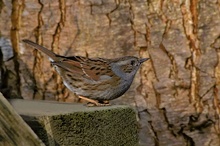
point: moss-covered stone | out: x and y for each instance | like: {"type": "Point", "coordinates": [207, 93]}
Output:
{"type": "Point", "coordinates": [78, 125]}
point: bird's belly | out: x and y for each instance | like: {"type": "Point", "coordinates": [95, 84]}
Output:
{"type": "Point", "coordinates": [99, 92]}
{"type": "Point", "coordinates": [119, 91]}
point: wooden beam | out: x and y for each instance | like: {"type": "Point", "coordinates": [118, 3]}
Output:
{"type": "Point", "coordinates": [75, 124]}
{"type": "Point", "coordinates": [13, 130]}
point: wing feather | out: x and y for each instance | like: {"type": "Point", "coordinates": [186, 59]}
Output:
{"type": "Point", "coordinates": [90, 69]}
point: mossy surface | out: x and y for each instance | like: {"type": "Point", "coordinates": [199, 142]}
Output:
{"type": "Point", "coordinates": [96, 126]}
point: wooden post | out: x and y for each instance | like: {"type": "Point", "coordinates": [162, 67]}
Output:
{"type": "Point", "coordinates": [13, 130]}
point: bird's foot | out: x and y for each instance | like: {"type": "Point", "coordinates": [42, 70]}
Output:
{"type": "Point", "coordinates": [99, 103]}
{"type": "Point", "coordinates": [92, 102]}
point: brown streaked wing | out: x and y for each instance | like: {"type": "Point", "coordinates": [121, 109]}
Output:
{"type": "Point", "coordinates": [73, 67]}
{"type": "Point", "coordinates": [88, 68]}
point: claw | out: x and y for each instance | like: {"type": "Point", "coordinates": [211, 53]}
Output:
{"type": "Point", "coordinates": [92, 102]}
{"type": "Point", "coordinates": [89, 104]}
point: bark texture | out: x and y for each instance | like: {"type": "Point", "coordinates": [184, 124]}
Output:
{"type": "Point", "coordinates": [175, 93]}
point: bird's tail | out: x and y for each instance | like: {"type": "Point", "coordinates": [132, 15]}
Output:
{"type": "Point", "coordinates": [42, 49]}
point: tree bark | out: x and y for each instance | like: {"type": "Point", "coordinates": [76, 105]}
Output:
{"type": "Point", "coordinates": [175, 93]}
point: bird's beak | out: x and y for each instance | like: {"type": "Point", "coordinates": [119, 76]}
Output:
{"type": "Point", "coordinates": [143, 60]}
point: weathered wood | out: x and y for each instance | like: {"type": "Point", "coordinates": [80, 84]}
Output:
{"type": "Point", "coordinates": [13, 130]}
{"type": "Point", "coordinates": [74, 124]}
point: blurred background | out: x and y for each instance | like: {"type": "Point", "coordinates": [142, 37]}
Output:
{"type": "Point", "coordinates": [175, 94]}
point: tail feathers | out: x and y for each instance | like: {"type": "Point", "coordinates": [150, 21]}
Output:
{"type": "Point", "coordinates": [42, 49]}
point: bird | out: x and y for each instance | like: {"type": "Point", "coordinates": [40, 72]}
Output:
{"type": "Point", "coordinates": [96, 80]}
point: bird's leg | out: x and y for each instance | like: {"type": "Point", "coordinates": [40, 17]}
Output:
{"type": "Point", "coordinates": [94, 102]}
{"type": "Point", "coordinates": [89, 100]}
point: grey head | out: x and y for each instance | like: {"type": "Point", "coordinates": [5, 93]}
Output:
{"type": "Point", "coordinates": [127, 67]}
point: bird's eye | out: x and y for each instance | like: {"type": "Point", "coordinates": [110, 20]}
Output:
{"type": "Point", "coordinates": [132, 62]}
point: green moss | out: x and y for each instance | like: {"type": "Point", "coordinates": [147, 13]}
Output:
{"type": "Point", "coordinates": [77, 125]}
{"type": "Point", "coordinates": [108, 127]}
